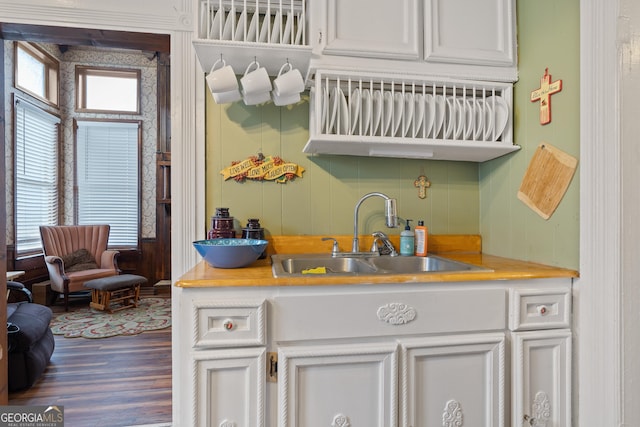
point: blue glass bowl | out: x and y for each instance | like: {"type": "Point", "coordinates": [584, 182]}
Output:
{"type": "Point", "coordinates": [230, 253]}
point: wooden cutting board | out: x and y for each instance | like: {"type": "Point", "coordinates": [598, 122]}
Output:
{"type": "Point", "coordinates": [547, 179]}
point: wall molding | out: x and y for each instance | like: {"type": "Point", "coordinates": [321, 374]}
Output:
{"type": "Point", "coordinates": [598, 312]}
{"type": "Point", "coordinates": [173, 17]}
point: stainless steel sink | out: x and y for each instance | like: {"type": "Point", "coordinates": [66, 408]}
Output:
{"type": "Point", "coordinates": [321, 264]}
{"type": "Point", "coordinates": [411, 264]}
{"type": "Point", "coordinates": [297, 264]}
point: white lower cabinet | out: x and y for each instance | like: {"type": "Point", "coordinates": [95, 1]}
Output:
{"type": "Point", "coordinates": [230, 387]}
{"type": "Point", "coordinates": [453, 381]}
{"type": "Point", "coordinates": [487, 354]}
{"type": "Point", "coordinates": [541, 390]}
{"type": "Point", "coordinates": [338, 385]}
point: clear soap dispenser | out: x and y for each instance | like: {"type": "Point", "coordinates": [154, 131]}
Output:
{"type": "Point", "coordinates": [407, 240]}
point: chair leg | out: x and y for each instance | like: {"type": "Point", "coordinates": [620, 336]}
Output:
{"type": "Point", "coordinates": [66, 297]}
{"type": "Point", "coordinates": [52, 297]}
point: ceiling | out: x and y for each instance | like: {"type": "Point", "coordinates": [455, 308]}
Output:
{"type": "Point", "coordinates": [65, 36]}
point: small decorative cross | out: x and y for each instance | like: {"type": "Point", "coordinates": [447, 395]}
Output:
{"type": "Point", "coordinates": [543, 94]}
{"type": "Point", "coordinates": [422, 183]}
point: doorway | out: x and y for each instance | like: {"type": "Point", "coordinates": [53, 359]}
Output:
{"type": "Point", "coordinates": [152, 257]}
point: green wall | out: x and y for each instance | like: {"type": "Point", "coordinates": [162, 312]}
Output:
{"type": "Point", "coordinates": [548, 37]}
{"type": "Point", "coordinates": [464, 197]}
{"type": "Point", "coordinates": [323, 200]}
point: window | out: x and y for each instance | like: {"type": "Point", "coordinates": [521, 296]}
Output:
{"type": "Point", "coordinates": [36, 174]}
{"type": "Point", "coordinates": [107, 89]}
{"type": "Point", "coordinates": [36, 72]}
{"type": "Point", "coordinates": [108, 178]}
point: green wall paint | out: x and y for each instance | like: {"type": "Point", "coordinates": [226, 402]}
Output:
{"type": "Point", "coordinates": [464, 197]}
{"type": "Point", "coordinates": [548, 36]}
{"type": "Point", "coordinates": [323, 200]}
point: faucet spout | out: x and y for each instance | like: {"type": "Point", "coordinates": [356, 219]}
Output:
{"type": "Point", "coordinates": [387, 246]}
{"type": "Point", "coordinates": [391, 216]}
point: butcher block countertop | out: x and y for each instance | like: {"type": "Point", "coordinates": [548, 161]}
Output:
{"type": "Point", "coordinates": [465, 248]}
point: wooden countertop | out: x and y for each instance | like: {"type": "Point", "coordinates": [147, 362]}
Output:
{"type": "Point", "coordinates": [465, 248]}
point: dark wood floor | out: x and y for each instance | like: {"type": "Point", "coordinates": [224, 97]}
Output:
{"type": "Point", "coordinates": [109, 382]}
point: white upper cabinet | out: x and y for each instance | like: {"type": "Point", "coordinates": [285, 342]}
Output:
{"type": "Point", "coordinates": [457, 39]}
{"type": "Point", "coordinates": [373, 28]}
{"type": "Point", "coordinates": [483, 35]}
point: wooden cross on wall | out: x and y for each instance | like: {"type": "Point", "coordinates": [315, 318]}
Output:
{"type": "Point", "coordinates": [543, 94]}
{"type": "Point", "coordinates": [422, 183]}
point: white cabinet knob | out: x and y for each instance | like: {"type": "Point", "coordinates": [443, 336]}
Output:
{"type": "Point", "coordinates": [542, 310]}
{"type": "Point", "coordinates": [228, 325]}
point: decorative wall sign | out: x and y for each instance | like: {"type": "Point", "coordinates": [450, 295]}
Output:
{"type": "Point", "coordinates": [260, 168]}
{"type": "Point", "coordinates": [543, 94]}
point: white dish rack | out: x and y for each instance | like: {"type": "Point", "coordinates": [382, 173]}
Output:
{"type": "Point", "coordinates": [271, 32]}
{"type": "Point", "coordinates": [409, 117]}
{"type": "Point", "coordinates": [280, 22]}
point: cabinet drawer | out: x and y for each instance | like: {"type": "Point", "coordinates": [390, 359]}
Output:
{"type": "Point", "coordinates": [433, 311]}
{"type": "Point", "coordinates": [539, 309]}
{"type": "Point", "coordinates": [229, 323]}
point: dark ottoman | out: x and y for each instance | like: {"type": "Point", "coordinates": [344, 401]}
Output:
{"type": "Point", "coordinates": [115, 293]}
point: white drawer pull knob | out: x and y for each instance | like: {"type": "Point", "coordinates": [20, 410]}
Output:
{"type": "Point", "coordinates": [228, 325]}
{"type": "Point", "coordinates": [542, 310]}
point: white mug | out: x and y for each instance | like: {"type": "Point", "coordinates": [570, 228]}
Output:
{"type": "Point", "coordinates": [255, 82]}
{"type": "Point", "coordinates": [226, 97]}
{"type": "Point", "coordinates": [256, 98]}
{"type": "Point", "coordinates": [288, 83]}
{"type": "Point", "coordinates": [280, 100]}
{"type": "Point", "coordinates": [222, 79]}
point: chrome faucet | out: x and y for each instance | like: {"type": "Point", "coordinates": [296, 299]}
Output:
{"type": "Point", "coordinates": [387, 247]}
{"type": "Point", "coordinates": [391, 216]}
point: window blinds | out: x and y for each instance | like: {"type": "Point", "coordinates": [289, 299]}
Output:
{"type": "Point", "coordinates": [36, 174]}
{"type": "Point", "coordinates": [108, 178]}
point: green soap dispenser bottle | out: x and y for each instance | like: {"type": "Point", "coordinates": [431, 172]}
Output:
{"type": "Point", "coordinates": [407, 240]}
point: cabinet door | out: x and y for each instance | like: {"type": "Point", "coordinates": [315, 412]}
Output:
{"type": "Point", "coordinates": [338, 385]}
{"type": "Point", "coordinates": [541, 394]}
{"type": "Point", "coordinates": [229, 387]}
{"type": "Point", "coordinates": [453, 381]}
{"type": "Point", "coordinates": [373, 28]}
{"type": "Point", "coordinates": [483, 35]}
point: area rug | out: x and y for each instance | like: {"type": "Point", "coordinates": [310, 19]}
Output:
{"type": "Point", "coordinates": [151, 314]}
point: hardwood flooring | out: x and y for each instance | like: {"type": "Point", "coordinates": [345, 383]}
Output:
{"type": "Point", "coordinates": [109, 382]}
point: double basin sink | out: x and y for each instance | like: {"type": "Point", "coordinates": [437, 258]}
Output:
{"type": "Point", "coordinates": [325, 264]}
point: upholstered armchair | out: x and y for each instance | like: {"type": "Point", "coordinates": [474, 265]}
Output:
{"type": "Point", "coordinates": [75, 254]}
